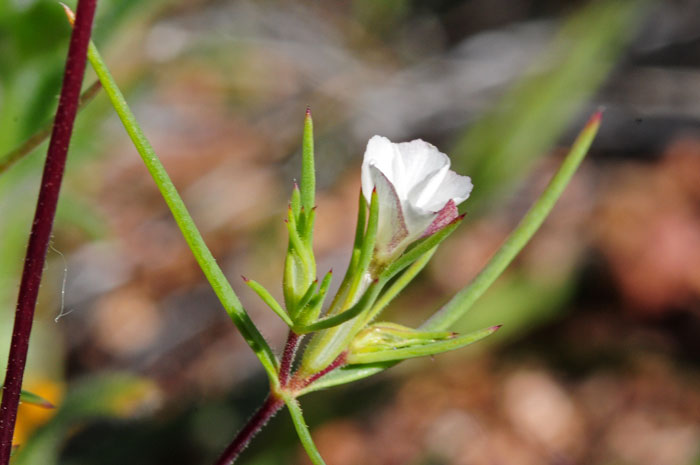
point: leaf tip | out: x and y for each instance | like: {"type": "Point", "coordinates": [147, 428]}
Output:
{"type": "Point", "coordinates": [493, 329]}
{"type": "Point", "coordinates": [308, 111]}
{"type": "Point", "coordinates": [69, 13]}
{"type": "Point", "coordinates": [245, 279]}
{"type": "Point", "coordinates": [595, 119]}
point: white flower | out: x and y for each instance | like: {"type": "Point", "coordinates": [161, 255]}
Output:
{"type": "Point", "coordinates": [418, 193]}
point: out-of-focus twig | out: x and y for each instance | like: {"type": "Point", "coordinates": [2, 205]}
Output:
{"type": "Point", "coordinates": [43, 222]}
{"type": "Point", "coordinates": [28, 146]}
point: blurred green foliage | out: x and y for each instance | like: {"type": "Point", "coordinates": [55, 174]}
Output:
{"type": "Point", "coordinates": [500, 148]}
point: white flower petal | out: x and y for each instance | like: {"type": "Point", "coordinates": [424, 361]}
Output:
{"type": "Point", "coordinates": [454, 187]}
{"type": "Point", "coordinates": [380, 152]}
{"type": "Point", "coordinates": [418, 193]}
{"type": "Point", "coordinates": [421, 160]}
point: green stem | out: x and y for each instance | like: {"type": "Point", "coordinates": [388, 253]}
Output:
{"type": "Point", "coordinates": [303, 432]}
{"type": "Point", "coordinates": [194, 239]}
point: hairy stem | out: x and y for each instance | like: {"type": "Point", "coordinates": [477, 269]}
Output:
{"type": "Point", "coordinates": [254, 425]}
{"type": "Point", "coordinates": [43, 222]}
{"type": "Point", "coordinates": [337, 363]}
{"type": "Point", "coordinates": [290, 350]}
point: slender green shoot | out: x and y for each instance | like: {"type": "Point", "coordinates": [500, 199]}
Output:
{"type": "Point", "coordinates": [308, 170]}
{"type": "Point", "coordinates": [303, 432]}
{"type": "Point", "coordinates": [270, 301]}
{"type": "Point", "coordinates": [464, 299]}
{"type": "Point", "coordinates": [184, 220]}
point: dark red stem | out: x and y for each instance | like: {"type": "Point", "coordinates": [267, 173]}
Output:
{"type": "Point", "coordinates": [43, 222]}
{"type": "Point", "coordinates": [255, 424]}
{"type": "Point", "coordinates": [290, 350]}
{"type": "Point", "coordinates": [337, 363]}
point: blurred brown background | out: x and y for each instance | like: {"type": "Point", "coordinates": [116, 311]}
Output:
{"type": "Point", "coordinates": [597, 362]}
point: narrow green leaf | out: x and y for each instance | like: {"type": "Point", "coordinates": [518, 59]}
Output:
{"type": "Point", "coordinates": [266, 297]}
{"type": "Point", "coordinates": [345, 375]}
{"type": "Point", "coordinates": [34, 399]}
{"type": "Point", "coordinates": [303, 432]}
{"type": "Point", "coordinates": [308, 170]}
{"type": "Point", "coordinates": [420, 350]}
{"type": "Point", "coordinates": [530, 223]}
{"type": "Point", "coordinates": [184, 220]}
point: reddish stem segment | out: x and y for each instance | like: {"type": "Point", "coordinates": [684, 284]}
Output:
{"type": "Point", "coordinates": [290, 350]}
{"type": "Point", "coordinates": [43, 222]}
{"type": "Point", "coordinates": [337, 363]}
{"type": "Point", "coordinates": [255, 424]}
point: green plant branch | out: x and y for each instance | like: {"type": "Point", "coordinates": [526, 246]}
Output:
{"type": "Point", "coordinates": [189, 230]}
{"type": "Point", "coordinates": [464, 299]}
{"type": "Point", "coordinates": [303, 432]}
{"type": "Point", "coordinates": [28, 146]}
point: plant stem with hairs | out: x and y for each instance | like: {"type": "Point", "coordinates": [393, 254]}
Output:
{"type": "Point", "coordinates": [43, 222]}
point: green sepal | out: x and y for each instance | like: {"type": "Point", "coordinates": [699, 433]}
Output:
{"type": "Point", "coordinates": [390, 336]}
{"type": "Point", "coordinates": [419, 349]}
{"type": "Point", "coordinates": [299, 267]}
{"type": "Point", "coordinates": [354, 257]}
{"type": "Point", "coordinates": [362, 305]}
{"type": "Point", "coordinates": [305, 299]}
{"type": "Point", "coordinates": [313, 308]}
{"type": "Point", "coordinates": [399, 284]}
{"type": "Point", "coordinates": [270, 301]}
{"type": "Point", "coordinates": [295, 202]}
{"type": "Point", "coordinates": [418, 249]}
{"type": "Point", "coordinates": [367, 247]}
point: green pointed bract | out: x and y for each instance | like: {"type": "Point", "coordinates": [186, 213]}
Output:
{"type": "Point", "coordinates": [361, 306]}
{"type": "Point", "coordinates": [266, 297]}
{"type": "Point", "coordinates": [313, 308]}
{"type": "Point", "coordinates": [305, 299]}
{"type": "Point", "coordinates": [295, 202]}
{"type": "Point", "coordinates": [389, 336]}
{"type": "Point", "coordinates": [411, 345]}
{"type": "Point", "coordinates": [299, 267]}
